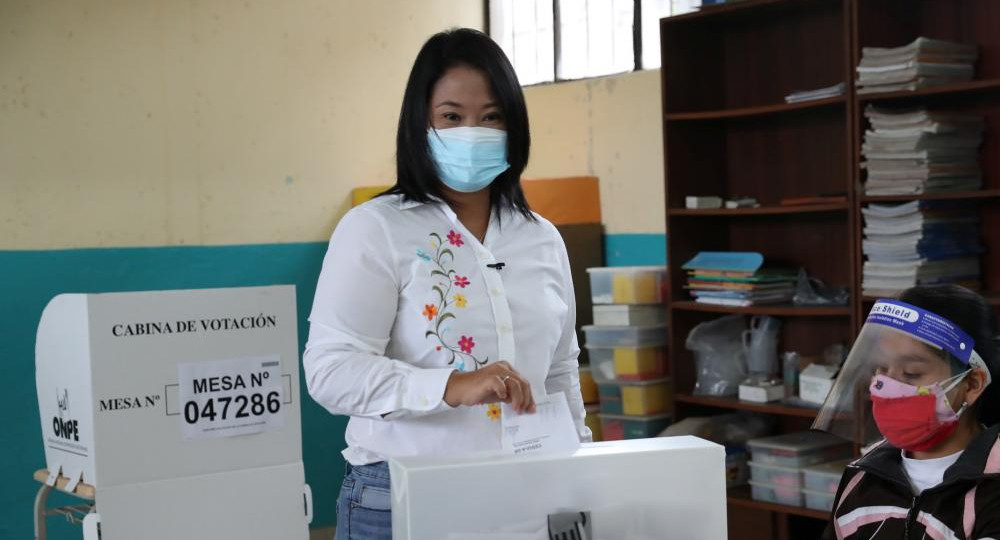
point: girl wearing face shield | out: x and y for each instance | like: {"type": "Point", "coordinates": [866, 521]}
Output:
{"type": "Point", "coordinates": [916, 391]}
{"type": "Point", "coordinates": [445, 296]}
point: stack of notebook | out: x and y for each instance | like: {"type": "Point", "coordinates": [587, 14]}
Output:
{"type": "Point", "coordinates": [917, 243]}
{"type": "Point", "coordinates": [732, 278]}
{"type": "Point", "coordinates": [915, 151]}
{"type": "Point", "coordinates": [924, 62]}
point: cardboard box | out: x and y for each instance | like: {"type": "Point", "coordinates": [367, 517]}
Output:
{"type": "Point", "coordinates": [632, 489]}
{"type": "Point", "coordinates": [815, 382]}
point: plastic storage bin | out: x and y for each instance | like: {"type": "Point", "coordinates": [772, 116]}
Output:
{"type": "Point", "coordinates": [593, 420]}
{"type": "Point", "coordinates": [789, 496]}
{"type": "Point", "coordinates": [628, 363]}
{"type": "Point", "coordinates": [798, 449]}
{"type": "Point", "coordinates": [588, 388]}
{"type": "Point", "coordinates": [737, 472]}
{"type": "Point", "coordinates": [625, 336]}
{"type": "Point", "coordinates": [628, 284]}
{"type": "Point", "coordinates": [635, 398]}
{"type": "Point", "coordinates": [616, 427]}
{"type": "Point", "coordinates": [825, 477]}
{"type": "Point", "coordinates": [630, 315]}
{"type": "Point", "coordinates": [775, 475]}
{"type": "Point", "coordinates": [818, 500]}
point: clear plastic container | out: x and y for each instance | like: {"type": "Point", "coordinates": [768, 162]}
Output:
{"type": "Point", "coordinates": [775, 475]}
{"type": "Point", "coordinates": [789, 496]}
{"type": "Point", "coordinates": [625, 336]}
{"type": "Point", "coordinates": [798, 449]}
{"type": "Point", "coordinates": [628, 363]}
{"type": "Point", "coordinates": [635, 398]}
{"type": "Point", "coordinates": [630, 315]}
{"type": "Point", "coordinates": [628, 284]}
{"type": "Point", "coordinates": [616, 427]}
{"type": "Point", "coordinates": [819, 500]}
{"type": "Point", "coordinates": [825, 477]}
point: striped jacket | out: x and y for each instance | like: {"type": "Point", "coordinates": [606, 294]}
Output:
{"type": "Point", "coordinates": [875, 500]}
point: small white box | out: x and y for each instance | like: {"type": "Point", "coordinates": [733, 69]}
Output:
{"type": "Point", "coordinates": [816, 381]}
{"type": "Point", "coordinates": [633, 489]}
{"type": "Point", "coordinates": [762, 393]}
{"type": "Point", "coordinates": [694, 203]}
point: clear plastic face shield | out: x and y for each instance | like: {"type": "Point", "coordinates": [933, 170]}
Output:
{"type": "Point", "coordinates": [902, 351]}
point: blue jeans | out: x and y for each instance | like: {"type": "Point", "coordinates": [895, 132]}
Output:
{"type": "Point", "coordinates": [363, 511]}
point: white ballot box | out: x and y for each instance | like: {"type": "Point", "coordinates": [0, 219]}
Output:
{"type": "Point", "coordinates": [179, 410]}
{"type": "Point", "coordinates": [670, 487]}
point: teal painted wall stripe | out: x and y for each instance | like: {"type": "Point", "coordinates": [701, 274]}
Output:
{"type": "Point", "coordinates": [635, 249]}
{"type": "Point", "coordinates": [31, 278]}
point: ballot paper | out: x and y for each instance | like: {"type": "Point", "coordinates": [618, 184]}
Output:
{"type": "Point", "coordinates": [549, 430]}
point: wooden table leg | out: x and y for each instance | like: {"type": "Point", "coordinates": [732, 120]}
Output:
{"type": "Point", "coordinates": [41, 499]}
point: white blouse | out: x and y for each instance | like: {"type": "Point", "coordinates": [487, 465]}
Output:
{"type": "Point", "coordinates": [406, 297]}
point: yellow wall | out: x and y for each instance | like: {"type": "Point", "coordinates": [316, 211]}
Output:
{"type": "Point", "coordinates": [610, 128]}
{"type": "Point", "coordinates": [151, 122]}
{"type": "Point", "coordinates": [160, 122]}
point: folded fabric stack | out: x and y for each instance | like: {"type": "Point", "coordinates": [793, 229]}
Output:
{"type": "Point", "coordinates": [915, 151]}
{"type": "Point", "coordinates": [924, 62]}
{"type": "Point", "coordinates": [918, 243]}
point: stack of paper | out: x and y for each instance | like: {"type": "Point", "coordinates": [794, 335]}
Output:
{"type": "Point", "coordinates": [917, 243]}
{"type": "Point", "coordinates": [915, 151]}
{"type": "Point", "coordinates": [820, 93]}
{"type": "Point", "coordinates": [924, 62]}
{"type": "Point", "coordinates": [733, 278]}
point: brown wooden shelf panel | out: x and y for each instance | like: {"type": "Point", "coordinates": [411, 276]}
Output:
{"type": "Point", "coordinates": [734, 403]}
{"type": "Point", "coordinates": [988, 85]}
{"type": "Point", "coordinates": [762, 211]}
{"type": "Point", "coordinates": [743, 112]}
{"type": "Point", "coordinates": [741, 7]}
{"type": "Point", "coordinates": [956, 195]}
{"type": "Point", "coordinates": [777, 310]}
{"type": "Point", "coordinates": [742, 496]}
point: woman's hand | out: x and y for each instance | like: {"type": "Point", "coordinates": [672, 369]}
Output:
{"type": "Point", "coordinates": [493, 383]}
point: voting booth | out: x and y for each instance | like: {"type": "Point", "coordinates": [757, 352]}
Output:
{"type": "Point", "coordinates": [176, 413]}
{"type": "Point", "coordinates": [644, 489]}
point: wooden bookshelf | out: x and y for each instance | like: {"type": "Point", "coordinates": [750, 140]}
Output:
{"type": "Point", "coordinates": [742, 496]}
{"type": "Point", "coordinates": [957, 195]}
{"type": "Point", "coordinates": [761, 110]}
{"type": "Point", "coordinates": [739, 405]}
{"type": "Point", "coordinates": [776, 310]}
{"type": "Point", "coordinates": [761, 211]}
{"type": "Point", "coordinates": [727, 132]}
{"type": "Point", "coordinates": [970, 87]}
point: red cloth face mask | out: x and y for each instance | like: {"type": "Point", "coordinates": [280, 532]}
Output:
{"type": "Point", "coordinates": [913, 418]}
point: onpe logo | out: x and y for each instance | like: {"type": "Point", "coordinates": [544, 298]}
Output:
{"type": "Point", "coordinates": [62, 425]}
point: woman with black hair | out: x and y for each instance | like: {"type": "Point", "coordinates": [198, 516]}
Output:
{"type": "Point", "coordinates": [445, 296]}
{"type": "Point", "coordinates": [927, 362]}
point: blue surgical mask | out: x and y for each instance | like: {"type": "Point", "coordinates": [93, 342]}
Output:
{"type": "Point", "coordinates": [468, 158]}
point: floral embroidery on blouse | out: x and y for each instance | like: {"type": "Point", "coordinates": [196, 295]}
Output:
{"type": "Point", "coordinates": [442, 260]}
{"type": "Point", "coordinates": [493, 411]}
